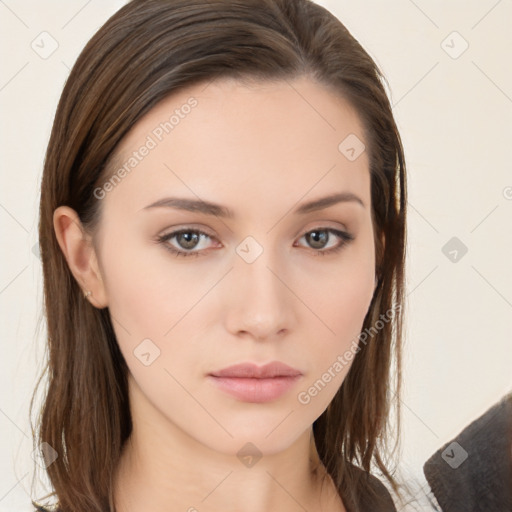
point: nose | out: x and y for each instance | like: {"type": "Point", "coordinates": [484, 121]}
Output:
{"type": "Point", "coordinates": [260, 303]}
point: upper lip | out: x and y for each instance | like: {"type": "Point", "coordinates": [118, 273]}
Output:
{"type": "Point", "coordinates": [251, 370]}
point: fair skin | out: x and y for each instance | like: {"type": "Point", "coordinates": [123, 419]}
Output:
{"type": "Point", "coordinates": [262, 151]}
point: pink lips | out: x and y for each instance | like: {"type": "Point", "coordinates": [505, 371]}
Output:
{"type": "Point", "coordinates": [251, 383]}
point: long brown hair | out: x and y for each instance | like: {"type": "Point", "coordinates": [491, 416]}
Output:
{"type": "Point", "coordinates": [144, 52]}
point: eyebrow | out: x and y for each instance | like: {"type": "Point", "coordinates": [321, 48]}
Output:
{"type": "Point", "coordinates": [208, 208]}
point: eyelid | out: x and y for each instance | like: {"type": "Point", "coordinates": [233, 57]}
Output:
{"type": "Point", "coordinates": [324, 224]}
{"type": "Point", "coordinates": [344, 239]}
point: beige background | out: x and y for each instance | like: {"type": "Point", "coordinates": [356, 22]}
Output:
{"type": "Point", "coordinates": [454, 110]}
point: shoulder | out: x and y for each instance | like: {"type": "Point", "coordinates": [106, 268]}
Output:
{"type": "Point", "coordinates": [483, 482]}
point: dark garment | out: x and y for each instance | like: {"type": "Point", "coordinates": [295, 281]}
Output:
{"type": "Point", "coordinates": [381, 502]}
{"type": "Point", "coordinates": [473, 473]}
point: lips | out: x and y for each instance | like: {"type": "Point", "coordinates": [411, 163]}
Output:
{"type": "Point", "coordinates": [248, 382]}
{"type": "Point", "coordinates": [252, 371]}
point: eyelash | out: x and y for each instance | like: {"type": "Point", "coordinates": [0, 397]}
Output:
{"type": "Point", "coordinates": [345, 237]}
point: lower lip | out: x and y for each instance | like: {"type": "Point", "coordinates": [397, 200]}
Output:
{"type": "Point", "coordinates": [255, 390]}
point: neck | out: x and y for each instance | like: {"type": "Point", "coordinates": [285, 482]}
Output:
{"type": "Point", "coordinates": [163, 469]}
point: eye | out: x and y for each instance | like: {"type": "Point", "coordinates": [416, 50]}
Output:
{"type": "Point", "coordinates": [318, 238]}
{"type": "Point", "coordinates": [187, 241]}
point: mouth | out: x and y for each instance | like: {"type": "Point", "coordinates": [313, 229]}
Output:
{"type": "Point", "coordinates": [255, 390]}
{"type": "Point", "coordinates": [250, 383]}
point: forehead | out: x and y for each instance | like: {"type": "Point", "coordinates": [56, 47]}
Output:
{"type": "Point", "coordinates": [236, 139]}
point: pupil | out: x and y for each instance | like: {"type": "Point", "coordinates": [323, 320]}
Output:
{"type": "Point", "coordinates": [317, 236]}
{"type": "Point", "coordinates": [189, 244]}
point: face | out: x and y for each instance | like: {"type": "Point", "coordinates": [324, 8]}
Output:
{"type": "Point", "coordinates": [259, 277]}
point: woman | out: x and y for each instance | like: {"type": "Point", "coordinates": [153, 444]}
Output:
{"type": "Point", "coordinates": [202, 356]}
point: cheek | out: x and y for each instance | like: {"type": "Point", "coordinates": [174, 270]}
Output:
{"type": "Point", "coordinates": [151, 303]}
{"type": "Point", "coordinates": [340, 293]}
{"type": "Point", "coordinates": [346, 302]}
{"type": "Point", "coordinates": [340, 296]}
{"type": "Point", "coordinates": [147, 290]}
{"type": "Point", "coordinates": [147, 295]}
{"type": "Point", "coordinates": [341, 307]}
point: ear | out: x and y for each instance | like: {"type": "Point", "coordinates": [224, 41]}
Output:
{"type": "Point", "coordinates": [80, 255]}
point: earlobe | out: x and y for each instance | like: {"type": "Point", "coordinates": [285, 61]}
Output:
{"type": "Point", "coordinates": [80, 255]}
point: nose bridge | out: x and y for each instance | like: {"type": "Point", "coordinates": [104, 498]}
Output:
{"type": "Point", "coordinates": [261, 304]}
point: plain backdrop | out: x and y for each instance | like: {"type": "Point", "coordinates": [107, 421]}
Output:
{"type": "Point", "coordinates": [448, 67]}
